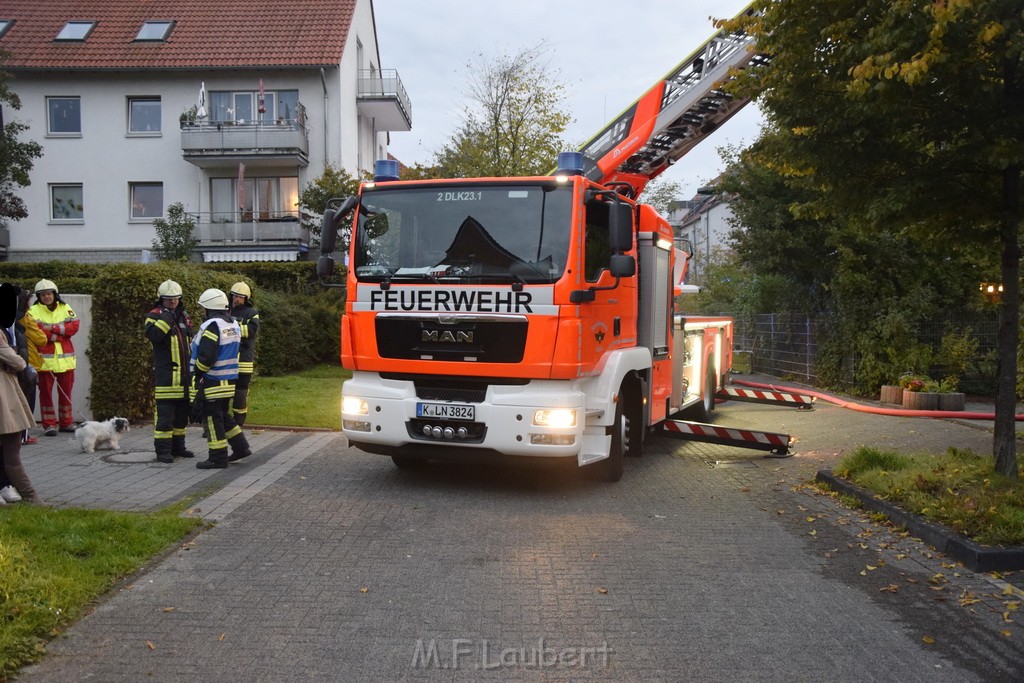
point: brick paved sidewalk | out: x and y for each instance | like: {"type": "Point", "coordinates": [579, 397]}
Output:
{"type": "Point", "coordinates": [131, 478]}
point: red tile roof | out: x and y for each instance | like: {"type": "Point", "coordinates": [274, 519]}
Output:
{"type": "Point", "coordinates": [207, 33]}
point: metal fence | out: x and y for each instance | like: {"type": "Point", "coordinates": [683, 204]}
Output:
{"type": "Point", "coordinates": [786, 345]}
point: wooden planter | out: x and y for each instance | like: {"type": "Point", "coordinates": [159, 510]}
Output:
{"type": "Point", "coordinates": [952, 400]}
{"type": "Point", "coordinates": [892, 393]}
{"type": "Point", "coordinates": [921, 400]}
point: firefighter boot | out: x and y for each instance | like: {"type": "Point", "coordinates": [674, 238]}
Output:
{"type": "Point", "coordinates": [163, 450]}
{"type": "Point", "coordinates": [218, 460]}
{"type": "Point", "coordinates": [178, 449]}
{"type": "Point", "coordinates": [239, 447]}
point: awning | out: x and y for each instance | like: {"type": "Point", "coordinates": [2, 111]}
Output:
{"type": "Point", "coordinates": [236, 256]}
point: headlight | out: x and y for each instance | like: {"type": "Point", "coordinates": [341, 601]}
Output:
{"type": "Point", "coordinates": [559, 418]}
{"type": "Point", "coordinates": [354, 406]}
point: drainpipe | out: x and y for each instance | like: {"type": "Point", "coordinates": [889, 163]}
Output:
{"type": "Point", "coordinates": [323, 82]}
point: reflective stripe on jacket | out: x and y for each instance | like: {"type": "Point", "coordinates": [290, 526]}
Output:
{"type": "Point", "coordinates": [170, 332]}
{"type": "Point", "coordinates": [58, 353]}
{"type": "Point", "coordinates": [215, 356]}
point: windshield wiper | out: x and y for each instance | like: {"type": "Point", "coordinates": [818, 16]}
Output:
{"type": "Point", "coordinates": [408, 277]}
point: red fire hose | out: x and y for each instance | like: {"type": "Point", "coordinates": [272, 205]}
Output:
{"type": "Point", "coordinates": [876, 410]}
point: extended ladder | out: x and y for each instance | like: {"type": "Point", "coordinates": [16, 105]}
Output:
{"type": "Point", "coordinates": [673, 116]}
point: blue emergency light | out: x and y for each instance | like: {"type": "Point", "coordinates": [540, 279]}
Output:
{"type": "Point", "coordinates": [570, 163]}
{"type": "Point", "coordinates": [385, 170]}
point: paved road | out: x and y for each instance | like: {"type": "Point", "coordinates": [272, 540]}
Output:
{"type": "Point", "coordinates": [330, 564]}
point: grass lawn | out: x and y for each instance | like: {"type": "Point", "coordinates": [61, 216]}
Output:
{"type": "Point", "coordinates": [311, 398]}
{"type": "Point", "coordinates": [55, 563]}
{"type": "Point", "coordinates": [958, 489]}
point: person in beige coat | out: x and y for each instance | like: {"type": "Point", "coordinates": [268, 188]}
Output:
{"type": "Point", "coordinates": [15, 417]}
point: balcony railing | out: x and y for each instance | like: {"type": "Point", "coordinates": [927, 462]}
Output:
{"type": "Point", "coordinates": [212, 143]}
{"type": "Point", "coordinates": [381, 96]}
{"type": "Point", "coordinates": [245, 227]}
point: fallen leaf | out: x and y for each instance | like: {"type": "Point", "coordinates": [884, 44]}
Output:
{"type": "Point", "coordinates": [810, 519]}
{"type": "Point", "coordinates": [812, 532]}
{"type": "Point", "coordinates": [168, 609]}
{"type": "Point", "coordinates": [150, 645]}
{"type": "Point", "coordinates": [221, 636]}
{"type": "Point", "coordinates": [928, 639]}
{"type": "Point", "coordinates": [602, 590]}
{"type": "Point", "coordinates": [364, 589]}
{"type": "Point", "coordinates": [1006, 632]}
{"type": "Point", "coordinates": [595, 555]}
{"type": "Point", "coordinates": [891, 588]}
{"type": "Point", "coordinates": [871, 569]}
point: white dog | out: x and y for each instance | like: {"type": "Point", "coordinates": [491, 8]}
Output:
{"type": "Point", "coordinates": [101, 435]}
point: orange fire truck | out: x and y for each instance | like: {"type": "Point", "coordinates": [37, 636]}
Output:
{"type": "Point", "coordinates": [535, 316]}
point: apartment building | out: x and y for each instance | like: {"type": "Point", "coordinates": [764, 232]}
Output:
{"type": "Point", "coordinates": [228, 108]}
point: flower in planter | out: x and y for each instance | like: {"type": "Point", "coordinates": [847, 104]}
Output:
{"type": "Point", "coordinates": [911, 382]}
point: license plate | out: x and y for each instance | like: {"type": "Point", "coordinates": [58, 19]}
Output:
{"type": "Point", "coordinates": [446, 411]}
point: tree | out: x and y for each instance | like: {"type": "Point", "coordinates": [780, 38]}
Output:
{"type": "Point", "coordinates": [15, 156]}
{"type": "Point", "coordinates": [513, 123]}
{"type": "Point", "coordinates": [175, 236]}
{"type": "Point", "coordinates": [660, 194]}
{"type": "Point", "coordinates": [906, 114]}
{"type": "Point", "coordinates": [333, 183]}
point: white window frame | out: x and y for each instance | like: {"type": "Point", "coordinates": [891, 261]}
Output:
{"type": "Point", "coordinates": [66, 219]}
{"type": "Point", "coordinates": [49, 117]}
{"type": "Point", "coordinates": [133, 202]}
{"type": "Point", "coordinates": [159, 122]}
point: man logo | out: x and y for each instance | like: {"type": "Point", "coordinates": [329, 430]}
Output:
{"type": "Point", "coordinates": [447, 337]}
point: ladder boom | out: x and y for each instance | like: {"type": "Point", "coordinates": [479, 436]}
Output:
{"type": "Point", "coordinates": [675, 114]}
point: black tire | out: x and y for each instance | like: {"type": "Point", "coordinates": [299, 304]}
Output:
{"type": "Point", "coordinates": [610, 469]}
{"type": "Point", "coordinates": [710, 386]}
{"type": "Point", "coordinates": [634, 434]}
{"type": "Point", "coordinates": [702, 411]}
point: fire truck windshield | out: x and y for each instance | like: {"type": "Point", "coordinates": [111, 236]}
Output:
{"type": "Point", "coordinates": [464, 232]}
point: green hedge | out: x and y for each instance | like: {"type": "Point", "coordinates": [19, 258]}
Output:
{"type": "Point", "coordinates": [299, 319]}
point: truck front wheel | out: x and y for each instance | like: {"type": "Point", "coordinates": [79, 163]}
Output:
{"type": "Point", "coordinates": [610, 469]}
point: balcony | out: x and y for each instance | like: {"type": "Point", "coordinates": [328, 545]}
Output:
{"type": "Point", "coordinates": [247, 236]}
{"type": "Point", "coordinates": [381, 96]}
{"type": "Point", "coordinates": [211, 144]}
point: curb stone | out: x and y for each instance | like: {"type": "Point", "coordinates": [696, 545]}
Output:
{"type": "Point", "coordinates": [977, 557]}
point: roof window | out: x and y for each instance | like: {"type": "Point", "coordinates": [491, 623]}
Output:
{"type": "Point", "coordinates": [5, 24]}
{"type": "Point", "coordinates": [76, 30]}
{"type": "Point", "coordinates": [155, 30]}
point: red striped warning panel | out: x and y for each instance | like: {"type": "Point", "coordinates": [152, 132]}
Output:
{"type": "Point", "coordinates": [727, 436]}
{"type": "Point", "coordinates": [782, 398]}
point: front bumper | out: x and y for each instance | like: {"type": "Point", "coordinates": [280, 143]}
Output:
{"type": "Point", "coordinates": [503, 421]}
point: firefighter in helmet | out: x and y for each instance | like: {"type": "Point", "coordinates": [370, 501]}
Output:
{"type": "Point", "coordinates": [248, 319]}
{"type": "Point", "coordinates": [215, 370]}
{"type": "Point", "coordinates": [169, 329]}
{"type": "Point", "coordinates": [56, 319]}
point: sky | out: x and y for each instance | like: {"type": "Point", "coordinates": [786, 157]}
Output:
{"type": "Point", "coordinates": [607, 54]}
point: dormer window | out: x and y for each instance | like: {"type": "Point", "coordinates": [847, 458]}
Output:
{"type": "Point", "coordinates": [155, 31]}
{"type": "Point", "coordinates": [5, 24]}
{"type": "Point", "coordinates": [76, 30]}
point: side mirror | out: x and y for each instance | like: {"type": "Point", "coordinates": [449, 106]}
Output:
{"type": "Point", "coordinates": [332, 220]}
{"type": "Point", "coordinates": [620, 227]}
{"type": "Point", "coordinates": [621, 265]}
{"type": "Point", "coordinates": [324, 267]}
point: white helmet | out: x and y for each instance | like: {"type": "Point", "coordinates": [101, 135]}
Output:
{"type": "Point", "coordinates": [46, 286]}
{"type": "Point", "coordinates": [169, 288]}
{"type": "Point", "coordinates": [241, 289]}
{"type": "Point", "coordinates": [214, 300]}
